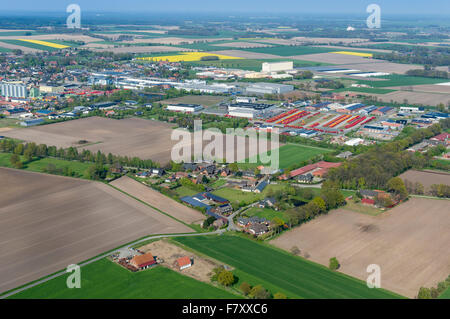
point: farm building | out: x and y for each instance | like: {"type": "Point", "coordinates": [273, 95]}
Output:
{"type": "Point", "coordinates": [443, 138]}
{"type": "Point", "coordinates": [143, 261]}
{"type": "Point", "coordinates": [32, 122]}
{"type": "Point", "coordinates": [184, 262]}
{"type": "Point", "coordinates": [318, 169]}
{"type": "Point", "coordinates": [385, 110]}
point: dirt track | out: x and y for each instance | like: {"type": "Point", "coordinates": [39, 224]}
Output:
{"type": "Point", "coordinates": [411, 243]}
{"type": "Point", "coordinates": [158, 200]}
{"type": "Point", "coordinates": [48, 222]}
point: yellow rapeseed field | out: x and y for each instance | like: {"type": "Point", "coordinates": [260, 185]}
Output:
{"type": "Point", "coordinates": [366, 55]}
{"type": "Point", "coordinates": [45, 43]}
{"type": "Point", "coordinates": [186, 57]}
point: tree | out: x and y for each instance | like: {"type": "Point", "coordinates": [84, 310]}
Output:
{"type": "Point", "coordinates": [258, 292]}
{"type": "Point", "coordinates": [424, 293]}
{"type": "Point", "coordinates": [233, 167]}
{"type": "Point", "coordinates": [397, 186]}
{"type": "Point", "coordinates": [279, 295]}
{"type": "Point", "coordinates": [334, 264]}
{"type": "Point", "coordinates": [245, 288]}
{"type": "Point", "coordinates": [225, 278]}
{"type": "Point", "coordinates": [320, 204]}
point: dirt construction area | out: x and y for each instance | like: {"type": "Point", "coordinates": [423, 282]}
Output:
{"type": "Point", "coordinates": [201, 268]}
{"type": "Point", "coordinates": [410, 243]}
{"type": "Point", "coordinates": [157, 200]}
{"type": "Point", "coordinates": [49, 222]}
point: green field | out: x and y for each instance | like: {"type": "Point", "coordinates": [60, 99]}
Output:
{"type": "Point", "coordinates": [365, 90]}
{"type": "Point", "coordinates": [284, 50]}
{"type": "Point", "coordinates": [266, 213]}
{"type": "Point", "coordinates": [103, 280]}
{"type": "Point", "coordinates": [238, 196]}
{"type": "Point", "coordinates": [185, 191]}
{"type": "Point", "coordinates": [40, 165]}
{"type": "Point", "coordinates": [291, 154]}
{"type": "Point", "coordinates": [280, 271]}
{"type": "Point", "coordinates": [445, 294]}
{"type": "Point", "coordinates": [401, 80]}
{"type": "Point", "coordinates": [6, 122]}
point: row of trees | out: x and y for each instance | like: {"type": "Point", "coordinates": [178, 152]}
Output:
{"type": "Point", "coordinates": [434, 292]}
{"type": "Point", "coordinates": [30, 150]}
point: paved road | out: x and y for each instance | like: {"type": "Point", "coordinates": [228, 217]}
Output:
{"type": "Point", "coordinates": [63, 272]}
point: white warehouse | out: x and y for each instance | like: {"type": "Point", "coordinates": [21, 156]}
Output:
{"type": "Point", "coordinates": [277, 66]}
{"type": "Point", "coordinates": [185, 108]}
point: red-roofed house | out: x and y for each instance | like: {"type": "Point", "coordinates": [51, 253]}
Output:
{"type": "Point", "coordinates": [368, 201]}
{"type": "Point", "coordinates": [318, 169]}
{"type": "Point", "coordinates": [143, 261]}
{"type": "Point", "coordinates": [184, 262]}
{"type": "Point", "coordinates": [443, 137]}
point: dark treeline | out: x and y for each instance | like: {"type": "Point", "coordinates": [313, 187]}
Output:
{"type": "Point", "coordinates": [32, 150]}
{"type": "Point", "coordinates": [376, 167]}
{"type": "Point", "coordinates": [418, 55]}
{"type": "Point", "coordinates": [428, 73]}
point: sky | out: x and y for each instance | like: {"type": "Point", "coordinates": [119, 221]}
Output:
{"type": "Point", "coordinates": [388, 7]}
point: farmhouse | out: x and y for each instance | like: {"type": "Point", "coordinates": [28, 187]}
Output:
{"type": "Point", "coordinates": [184, 262]}
{"type": "Point", "coordinates": [444, 138]}
{"type": "Point", "coordinates": [143, 261]}
{"type": "Point", "coordinates": [318, 169]}
{"type": "Point", "coordinates": [258, 229]}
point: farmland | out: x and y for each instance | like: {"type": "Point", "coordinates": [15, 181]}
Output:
{"type": "Point", "coordinates": [104, 279]}
{"type": "Point", "coordinates": [157, 200]}
{"type": "Point", "coordinates": [426, 178]}
{"type": "Point", "coordinates": [408, 242]}
{"type": "Point", "coordinates": [186, 57]}
{"type": "Point", "coordinates": [127, 137]}
{"type": "Point", "coordinates": [63, 220]}
{"type": "Point", "coordinates": [282, 272]}
{"type": "Point", "coordinates": [292, 154]}
{"type": "Point", "coordinates": [290, 50]}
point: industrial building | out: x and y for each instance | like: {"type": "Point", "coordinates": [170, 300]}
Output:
{"type": "Point", "coordinates": [269, 88]}
{"type": "Point", "coordinates": [13, 90]}
{"type": "Point", "coordinates": [185, 108]}
{"type": "Point", "coordinates": [32, 122]}
{"type": "Point", "coordinates": [277, 66]}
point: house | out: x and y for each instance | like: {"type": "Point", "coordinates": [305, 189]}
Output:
{"type": "Point", "coordinates": [143, 261]}
{"type": "Point", "coordinates": [225, 172]}
{"type": "Point", "coordinates": [443, 138]}
{"type": "Point", "coordinates": [258, 229]}
{"type": "Point", "coordinates": [260, 187]}
{"type": "Point", "coordinates": [305, 178]}
{"type": "Point", "coordinates": [368, 201]}
{"type": "Point", "coordinates": [184, 262]}
{"type": "Point", "coordinates": [368, 193]}
{"type": "Point", "coordinates": [157, 171]}
{"type": "Point", "coordinates": [344, 155]}
{"type": "Point", "coordinates": [116, 168]}
{"type": "Point", "coordinates": [218, 223]}
{"type": "Point", "coordinates": [190, 167]}
{"type": "Point", "coordinates": [223, 209]}
{"type": "Point", "coordinates": [317, 169]}
{"type": "Point", "coordinates": [267, 202]}
{"type": "Point", "coordinates": [143, 174]}
{"type": "Point", "coordinates": [215, 198]}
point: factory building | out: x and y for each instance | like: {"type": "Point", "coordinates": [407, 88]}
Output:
{"type": "Point", "coordinates": [13, 90]}
{"type": "Point", "coordinates": [269, 88]}
{"type": "Point", "coordinates": [185, 108]}
{"type": "Point", "coordinates": [277, 66]}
